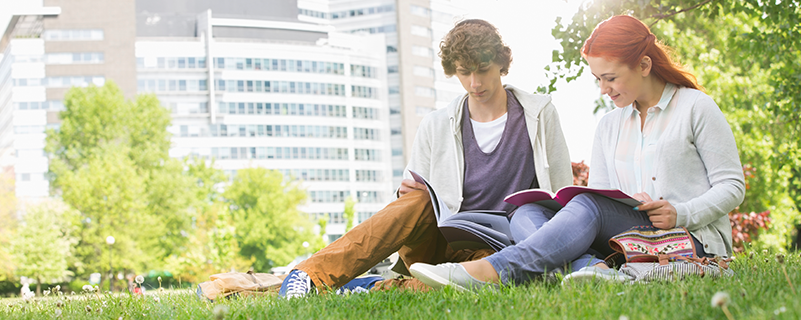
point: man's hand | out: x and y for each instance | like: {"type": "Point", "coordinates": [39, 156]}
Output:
{"type": "Point", "coordinates": [661, 213]}
{"type": "Point", "coordinates": [409, 185]}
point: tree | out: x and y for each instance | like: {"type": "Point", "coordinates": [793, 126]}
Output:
{"type": "Point", "coordinates": [212, 246]}
{"type": "Point", "coordinates": [8, 223]}
{"type": "Point", "coordinates": [42, 248]}
{"type": "Point", "coordinates": [108, 192]}
{"type": "Point", "coordinates": [269, 227]}
{"type": "Point", "coordinates": [747, 56]}
{"type": "Point", "coordinates": [349, 213]}
{"type": "Point", "coordinates": [110, 159]}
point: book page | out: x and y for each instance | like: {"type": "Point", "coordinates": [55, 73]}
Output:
{"type": "Point", "coordinates": [441, 210]}
{"type": "Point", "coordinates": [529, 196]}
{"type": "Point", "coordinates": [564, 195]}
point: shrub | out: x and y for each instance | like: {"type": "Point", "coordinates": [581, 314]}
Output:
{"type": "Point", "coordinates": [581, 173]}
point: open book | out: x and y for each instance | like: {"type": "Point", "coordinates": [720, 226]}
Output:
{"type": "Point", "coordinates": [470, 229]}
{"type": "Point", "coordinates": [564, 195]}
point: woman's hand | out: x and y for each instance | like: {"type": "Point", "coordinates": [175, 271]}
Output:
{"type": "Point", "coordinates": [661, 213]}
{"type": "Point", "coordinates": [642, 196]}
{"type": "Point", "coordinates": [409, 185]}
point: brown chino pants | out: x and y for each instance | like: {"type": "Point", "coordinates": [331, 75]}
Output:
{"type": "Point", "coordinates": [406, 225]}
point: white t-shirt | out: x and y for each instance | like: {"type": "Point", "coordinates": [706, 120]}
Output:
{"type": "Point", "coordinates": [488, 134]}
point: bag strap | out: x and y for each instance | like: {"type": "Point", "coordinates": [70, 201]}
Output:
{"type": "Point", "coordinates": [253, 278]}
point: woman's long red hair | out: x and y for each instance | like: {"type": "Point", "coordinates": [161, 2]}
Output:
{"type": "Point", "coordinates": [627, 40]}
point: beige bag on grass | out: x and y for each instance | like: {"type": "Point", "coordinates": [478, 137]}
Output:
{"type": "Point", "coordinates": [240, 284]}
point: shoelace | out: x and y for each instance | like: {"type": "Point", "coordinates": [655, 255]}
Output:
{"type": "Point", "coordinates": [298, 286]}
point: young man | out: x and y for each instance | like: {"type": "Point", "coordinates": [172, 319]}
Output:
{"type": "Point", "coordinates": [491, 142]}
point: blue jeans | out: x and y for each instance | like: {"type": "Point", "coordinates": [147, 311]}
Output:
{"type": "Point", "coordinates": [563, 238]}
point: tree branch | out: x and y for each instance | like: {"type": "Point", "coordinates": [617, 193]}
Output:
{"type": "Point", "coordinates": [667, 15]}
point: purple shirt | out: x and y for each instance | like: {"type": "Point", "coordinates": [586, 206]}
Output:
{"type": "Point", "coordinates": [490, 177]}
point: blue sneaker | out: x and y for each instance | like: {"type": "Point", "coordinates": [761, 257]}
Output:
{"type": "Point", "coordinates": [296, 285]}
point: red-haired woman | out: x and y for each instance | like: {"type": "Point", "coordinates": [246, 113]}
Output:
{"type": "Point", "coordinates": [667, 143]}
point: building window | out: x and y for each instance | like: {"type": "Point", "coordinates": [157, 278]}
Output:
{"type": "Point", "coordinates": [74, 58]}
{"type": "Point", "coordinates": [420, 11]}
{"type": "Point", "coordinates": [425, 92]}
{"type": "Point", "coordinates": [382, 29]}
{"type": "Point", "coordinates": [56, 105]}
{"type": "Point", "coordinates": [72, 34]}
{"type": "Point", "coordinates": [421, 31]}
{"type": "Point", "coordinates": [368, 175]}
{"type": "Point", "coordinates": [364, 92]}
{"type": "Point", "coordinates": [363, 71]}
{"type": "Point", "coordinates": [328, 196]}
{"type": "Point", "coordinates": [294, 131]}
{"type": "Point", "coordinates": [367, 155]}
{"type": "Point", "coordinates": [284, 109]}
{"type": "Point", "coordinates": [422, 51]}
{"type": "Point", "coordinates": [346, 13]}
{"type": "Point", "coordinates": [423, 71]}
{"type": "Point", "coordinates": [365, 134]}
{"type": "Point", "coordinates": [361, 216]}
{"type": "Point", "coordinates": [365, 113]}
{"type": "Point", "coordinates": [369, 197]}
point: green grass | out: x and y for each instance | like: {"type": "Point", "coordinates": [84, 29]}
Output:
{"type": "Point", "coordinates": [758, 291]}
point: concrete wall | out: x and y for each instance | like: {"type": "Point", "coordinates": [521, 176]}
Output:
{"type": "Point", "coordinates": [116, 19]}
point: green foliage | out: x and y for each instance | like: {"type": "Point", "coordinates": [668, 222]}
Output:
{"type": "Point", "coordinates": [108, 192]}
{"type": "Point", "coordinates": [8, 223]}
{"type": "Point", "coordinates": [269, 227]}
{"type": "Point", "coordinates": [349, 213]}
{"type": "Point", "coordinates": [758, 291]}
{"type": "Point", "coordinates": [43, 245]}
{"type": "Point", "coordinates": [747, 55]}
{"type": "Point", "coordinates": [110, 161]}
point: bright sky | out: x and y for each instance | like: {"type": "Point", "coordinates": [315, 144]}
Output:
{"type": "Point", "coordinates": [526, 28]}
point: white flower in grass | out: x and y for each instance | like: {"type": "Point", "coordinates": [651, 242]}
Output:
{"type": "Point", "coordinates": [220, 311]}
{"type": "Point", "coordinates": [720, 299]}
{"type": "Point", "coordinates": [622, 317]}
{"type": "Point", "coordinates": [139, 279]}
{"type": "Point", "coordinates": [779, 311]}
{"type": "Point", "coordinates": [88, 309]}
{"type": "Point", "coordinates": [156, 299]}
{"type": "Point", "coordinates": [58, 313]}
{"type": "Point", "coordinates": [88, 288]}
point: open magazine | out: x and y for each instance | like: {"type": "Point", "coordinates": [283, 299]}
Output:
{"type": "Point", "coordinates": [475, 229]}
{"type": "Point", "coordinates": [556, 201]}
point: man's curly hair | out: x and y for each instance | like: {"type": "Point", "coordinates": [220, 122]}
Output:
{"type": "Point", "coordinates": [471, 43]}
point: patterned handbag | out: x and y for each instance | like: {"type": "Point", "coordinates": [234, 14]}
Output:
{"type": "Point", "coordinates": [653, 254]}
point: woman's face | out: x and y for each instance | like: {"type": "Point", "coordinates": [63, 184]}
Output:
{"type": "Point", "coordinates": [622, 84]}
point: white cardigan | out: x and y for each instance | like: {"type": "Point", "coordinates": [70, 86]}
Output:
{"type": "Point", "coordinates": [438, 155]}
{"type": "Point", "coordinates": [698, 168]}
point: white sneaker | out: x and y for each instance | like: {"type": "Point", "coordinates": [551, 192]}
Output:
{"type": "Point", "coordinates": [592, 273]}
{"type": "Point", "coordinates": [447, 274]}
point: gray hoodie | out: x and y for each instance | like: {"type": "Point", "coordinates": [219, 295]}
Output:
{"type": "Point", "coordinates": [438, 156]}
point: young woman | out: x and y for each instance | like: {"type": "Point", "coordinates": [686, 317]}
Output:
{"type": "Point", "coordinates": [667, 143]}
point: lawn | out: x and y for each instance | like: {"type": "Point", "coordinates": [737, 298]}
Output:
{"type": "Point", "coordinates": [759, 290]}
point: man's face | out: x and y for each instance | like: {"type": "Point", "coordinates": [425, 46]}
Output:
{"type": "Point", "coordinates": [483, 83]}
